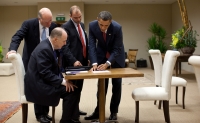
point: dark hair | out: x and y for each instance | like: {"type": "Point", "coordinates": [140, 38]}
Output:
{"type": "Point", "coordinates": [56, 32]}
{"type": "Point", "coordinates": [105, 15]}
{"type": "Point", "coordinates": [75, 7]}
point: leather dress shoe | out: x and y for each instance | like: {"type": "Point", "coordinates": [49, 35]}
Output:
{"type": "Point", "coordinates": [43, 119]}
{"type": "Point", "coordinates": [113, 116]}
{"type": "Point", "coordinates": [48, 117]}
{"type": "Point", "coordinates": [82, 112]}
{"type": "Point", "coordinates": [93, 116]}
{"type": "Point", "coordinates": [75, 121]}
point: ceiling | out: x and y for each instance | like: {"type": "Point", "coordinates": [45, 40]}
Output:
{"type": "Point", "coordinates": [34, 2]}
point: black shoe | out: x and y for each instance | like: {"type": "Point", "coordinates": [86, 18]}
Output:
{"type": "Point", "coordinates": [48, 117]}
{"type": "Point", "coordinates": [42, 119]}
{"type": "Point", "coordinates": [65, 121]}
{"type": "Point", "coordinates": [113, 116]}
{"type": "Point", "coordinates": [75, 121]}
{"type": "Point", "coordinates": [82, 112]}
{"type": "Point", "coordinates": [93, 116]}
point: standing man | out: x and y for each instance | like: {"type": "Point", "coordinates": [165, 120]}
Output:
{"type": "Point", "coordinates": [106, 49]}
{"type": "Point", "coordinates": [44, 83]}
{"type": "Point", "coordinates": [75, 52]}
{"type": "Point", "coordinates": [33, 31]}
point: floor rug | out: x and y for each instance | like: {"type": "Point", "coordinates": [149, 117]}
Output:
{"type": "Point", "coordinates": [8, 109]}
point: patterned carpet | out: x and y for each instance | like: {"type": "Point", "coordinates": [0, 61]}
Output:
{"type": "Point", "coordinates": [8, 109]}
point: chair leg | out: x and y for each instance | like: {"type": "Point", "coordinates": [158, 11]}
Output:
{"type": "Point", "coordinates": [176, 94]}
{"type": "Point", "coordinates": [183, 99]}
{"type": "Point", "coordinates": [166, 110]}
{"type": "Point", "coordinates": [159, 105]}
{"type": "Point", "coordinates": [53, 114]}
{"type": "Point", "coordinates": [136, 111]}
{"type": "Point", "coordinates": [24, 112]}
{"type": "Point", "coordinates": [155, 100]}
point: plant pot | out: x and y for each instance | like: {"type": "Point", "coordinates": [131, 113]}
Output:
{"type": "Point", "coordinates": [187, 50]}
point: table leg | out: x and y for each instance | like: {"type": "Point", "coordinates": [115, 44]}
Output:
{"type": "Point", "coordinates": [101, 100]}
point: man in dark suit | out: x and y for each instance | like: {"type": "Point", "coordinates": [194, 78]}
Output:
{"type": "Point", "coordinates": [31, 31]}
{"type": "Point", "coordinates": [106, 49]}
{"type": "Point", "coordinates": [75, 52]}
{"type": "Point", "coordinates": [44, 83]}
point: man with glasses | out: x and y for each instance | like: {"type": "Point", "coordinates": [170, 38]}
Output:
{"type": "Point", "coordinates": [33, 31]}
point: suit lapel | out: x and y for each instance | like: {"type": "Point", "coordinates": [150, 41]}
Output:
{"type": "Point", "coordinates": [109, 33]}
{"type": "Point", "coordinates": [74, 29]}
{"type": "Point", "coordinates": [36, 30]}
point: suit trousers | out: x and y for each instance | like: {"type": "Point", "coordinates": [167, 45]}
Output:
{"type": "Point", "coordinates": [40, 110]}
{"type": "Point", "coordinates": [116, 95]}
{"type": "Point", "coordinates": [70, 104]}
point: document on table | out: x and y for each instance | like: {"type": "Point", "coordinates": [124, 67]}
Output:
{"type": "Point", "coordinates": [101, 71]}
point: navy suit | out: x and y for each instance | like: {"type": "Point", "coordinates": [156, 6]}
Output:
{"type": "Point", "coordinates": [29, 31]}
{"type": "Point", "coordinates": [43, 81]}
{"type": "Point", "coordinates": [115, 47]}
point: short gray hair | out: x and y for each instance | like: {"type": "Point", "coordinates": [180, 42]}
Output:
{"type": "Point", "coordinates": [105, 15]}
{"type": "Point", "coordinates": [57, 32]}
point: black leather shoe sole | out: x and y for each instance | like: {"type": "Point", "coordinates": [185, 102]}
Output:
{"type": "Point", "coordinates": [82, 113]}
{"type": "Point", "coordinates": [48, 117]}
{"type": "Point", "coordinates": [42, 119]}
{"type": "Point", "coordinates": [92, 117]}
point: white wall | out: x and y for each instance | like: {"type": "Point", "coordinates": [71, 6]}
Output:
{"type": "Point", "coordinates": [135, 20]}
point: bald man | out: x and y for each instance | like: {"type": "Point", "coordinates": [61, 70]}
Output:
{"type": "Point", "coordinates": [44, 83]}
{"type": "Point", "coordinates": [33, 31]}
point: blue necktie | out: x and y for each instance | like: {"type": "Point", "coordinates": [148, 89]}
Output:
{"type": "Point", "coordinates": [43, 37]}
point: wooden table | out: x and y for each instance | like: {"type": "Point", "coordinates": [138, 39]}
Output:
{"type": "Point", "coordinates": [181, 58]}
{"type": "Point", "coordinates": [114, 73]}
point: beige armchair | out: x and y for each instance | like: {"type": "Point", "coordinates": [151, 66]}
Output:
{"type": "Point", "coordinates": [16, 60]}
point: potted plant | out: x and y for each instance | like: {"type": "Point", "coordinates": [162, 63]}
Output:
{"type": "Point", "coordinates": [1, 53]}
{"type": "Point", "coordinates": [185, 40]}
{"type": "Point", "coordinates": [156, 40]}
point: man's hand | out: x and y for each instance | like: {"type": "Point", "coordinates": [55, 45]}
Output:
{"type": "Point", "coordinates": [93, 68]}
{"type": "Point", "coordinates": [88, 62]}
{"type": "Point", "coordinates": [70, 86]}
{"type": "Point", "coordinates": [102, 67]}
{"type": "Point", "coordinates": [12, 51]}
{"type": "Point", "coordinates": [77, 63]}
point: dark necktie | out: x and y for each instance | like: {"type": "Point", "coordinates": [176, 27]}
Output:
{"type": "Point", "coordinates": [82, 40]}
{"type": "Point", "coordinates": [107, 53]}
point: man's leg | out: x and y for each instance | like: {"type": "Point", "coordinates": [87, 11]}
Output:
{"type": "Point", "coordinates": [95, 114]}
{"type": "Point", "coordinates": [70, 105]}
{"type": "Point", "coordinates": [41, 113]}
{"type": "Point", "coordinates": [116, 97]}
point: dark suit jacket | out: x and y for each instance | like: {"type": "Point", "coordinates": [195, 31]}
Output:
{"type": "Point", "coordinates": [29, 31]}
{"type": "Point", "coordinates": [43, 79]}
{"type": "Point", "coordinates": [114, 44]}
{"type": "Point", "coordinates": [73, 49]}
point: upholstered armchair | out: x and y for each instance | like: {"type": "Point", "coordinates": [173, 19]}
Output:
{"type": "Point", "coordinates": [176, 81]}
{"type": "Point", "coordinates": [16, 60]}
{"type": "Point", "coordinates": [195, 62]}
{"type": "Point", "coordinates": [162, 92]}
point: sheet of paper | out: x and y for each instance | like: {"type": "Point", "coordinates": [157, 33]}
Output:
{"type": "Point", "coordinates": [102, 71]}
